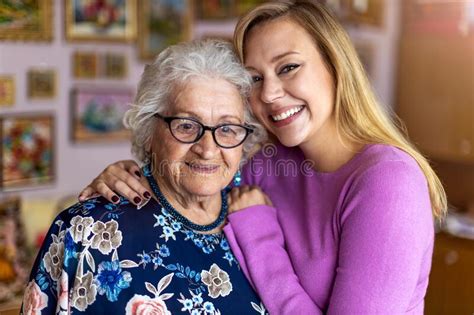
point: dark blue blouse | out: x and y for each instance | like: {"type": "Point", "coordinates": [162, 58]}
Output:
{"type": "Point", "coordinates": [101, 258]}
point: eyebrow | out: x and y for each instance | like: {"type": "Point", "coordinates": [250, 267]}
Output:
{"type": "Point", "coordinates": [198, 117]}
{"type": "Point", "coordinates": [277, 57]}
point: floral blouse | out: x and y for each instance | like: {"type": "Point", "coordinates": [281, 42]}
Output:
{"type": "Point", "coordinates": [101, 258]}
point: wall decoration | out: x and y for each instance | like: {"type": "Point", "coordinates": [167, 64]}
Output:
{"type": "Point", "coordinates": [113, 20]}
{"type": "Point", "coordinates": [97, 114]}
{"type": "Point", "coordinates": [41, 83]}
{"type": "Point", "coordinates": [219, 9]}
{"type": "Point", "coordinates": [365, 11]}
{"type": "Point", "coordinates": [115, 66]}
{"type": "Point", "coordinates": [242, 6]}
{"type": "Point", "coordinates": [84, 65]}
{"type": "Point", "coordinates": [27, 150]}
{"type": "Point", "coordinates": [14, 256]}
{"type": "Point", "coordinates": [26, 20]}
{"type": "Point", "coordinates": [7, 90]}
{"type": "Point", "coordinates": [163, 23]}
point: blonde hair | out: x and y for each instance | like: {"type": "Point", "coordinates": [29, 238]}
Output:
{"type": "Point", "coordinates": [359, 117]}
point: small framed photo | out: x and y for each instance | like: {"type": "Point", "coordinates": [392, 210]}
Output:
{"type": "Point", "coordinates": [84, 65]}
{"type": "Point", "coordinates": [115, 66]}
{"type": "Point", "coordinates": [26, 20]}
{"type": "Point", "coordinates": [163, 23]}
{"type": "Point", "coordinates": [27, 150]}
{"type": "Point", "coordinates": [370, 12]}
{"type": "Point", "coordinates": [97, 114]}
{"type": "Point", "coordinates": [97, 20]}
{"type": "Point", "coordinates": [41, 83]}
{"type": "Point", "coordinates": [7, 90]}
{"type": "Point", "coordinates": [14, 256]}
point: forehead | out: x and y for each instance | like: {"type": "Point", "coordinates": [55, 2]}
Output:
{"type": "Point", "coordinates": [276, 37]}
{"type": "Point", "coordinates": [207, 98]}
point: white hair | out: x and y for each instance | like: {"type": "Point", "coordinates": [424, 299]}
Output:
{"type": "Point", "coordinates": [175, 66]}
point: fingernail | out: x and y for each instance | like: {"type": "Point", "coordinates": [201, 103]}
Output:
{"type": "Point", "coordinates": [147, 195]}
{"type": "Point", "coordinates": [81, 198]}
{"type": "Point", "coordinates": [115, 199]}
{"type": "Point", "coordinates": [138, 174]}
{"type": "Point", "coordinates": [137, 200]}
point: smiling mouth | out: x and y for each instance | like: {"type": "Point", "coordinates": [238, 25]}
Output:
{"type": "Point", "coordinates": [202, 168]}
{"type": "Point", "coordinates": [285, 115]}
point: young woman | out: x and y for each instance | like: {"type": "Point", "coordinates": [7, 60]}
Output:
{"type": "Point", "coordinates": [352, 234]}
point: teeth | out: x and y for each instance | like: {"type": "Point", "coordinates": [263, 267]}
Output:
{"type": "Point", "coordinates": [287, 114]}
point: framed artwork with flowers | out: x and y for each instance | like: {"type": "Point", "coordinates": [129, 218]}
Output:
{"type": "Point", "coordinates": [163, 23]}
{"type": "Point", "coordinates": [97, 113]}
{"type": "Point", "coordinates": [98, 20]}
{"type": "Point", "coordinates": [27, 150]}
{"type": "Point", "coordinates": [26, 20]}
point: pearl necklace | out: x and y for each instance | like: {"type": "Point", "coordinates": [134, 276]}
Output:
{"type": "Point", "coordinates": [179, 217]}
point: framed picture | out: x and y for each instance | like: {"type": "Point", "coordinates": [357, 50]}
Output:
{"type": "Point", "coordinates": [97, 114]}
{"type": "Point", "coordinates": [217, 9]}
{"type": "Point", "coordinates": [115, 66]}
{"type": "Point", "coordinates": [369, 12]}
{"type": "Point", "coordinates": [163, 23]}
{"type": "Point", "coordinates": [41, 83]}
{"type": "Point", "coordinates": [27, 150]}
{"type": "Point", "coordinates": [26, 20]}
{"type": "Point", "coordinates": [112, 20]}
{"type": "Point", "coordinates": [14, 256]}
{"type": "Point", "coordinates": [7, 90]}
{"type": "Point", "coordinates": [242, 6]}
{"type": "Point", "coordinates": [84, 65]}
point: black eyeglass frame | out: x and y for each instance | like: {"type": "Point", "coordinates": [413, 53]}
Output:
{"type": "Point", "coordinates": [169, 119]}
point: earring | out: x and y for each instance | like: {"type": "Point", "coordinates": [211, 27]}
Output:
{"type": "Point", "coordinates": [237, 180]}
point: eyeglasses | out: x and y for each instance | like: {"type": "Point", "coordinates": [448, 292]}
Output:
{"type": "Point", "coordinates": [189, 130]}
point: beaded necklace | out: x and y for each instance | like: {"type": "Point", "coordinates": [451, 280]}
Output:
{"type": "Point", "coordinates": [180, 218]}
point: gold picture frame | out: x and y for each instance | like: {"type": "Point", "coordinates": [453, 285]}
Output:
{"type": "Point", "coordinates": [369, 12]}
{"type": "Point", "coordinates": [114, 21]}
{"type": "Point", "coordinates": [84, 64]}
{"type": "Point", "coordinates": [7, 90]}
{"type": "Point", "coordinates": [41, 83]}
{"type": "Point", "coordinates": [115, 66]}
{"type": "Point", "coordinates": [161, 24]}
{"type": "Point", "coordinates": [31, 20]}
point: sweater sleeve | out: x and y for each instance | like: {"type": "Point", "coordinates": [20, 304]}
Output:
{"type": "Point", "coordinates": [261, 247]}
{"type": "Point", "coordinates": [386, 242]}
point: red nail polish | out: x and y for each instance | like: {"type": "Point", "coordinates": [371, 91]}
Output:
{"type": "Point", "coordinates": [147, 195]}
{"type": "Point", "coordinates": [115, 199]}
{"type": "Point", "coordinates": [137, 200]}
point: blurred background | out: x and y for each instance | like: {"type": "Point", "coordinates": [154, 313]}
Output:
{"type": "Point", "coordinates": [69, 68]}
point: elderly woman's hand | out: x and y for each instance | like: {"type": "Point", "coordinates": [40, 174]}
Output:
{"type": "Point", "coordinates": [246, 196]}
{"type": "Point", "coordinates": [124, 178]}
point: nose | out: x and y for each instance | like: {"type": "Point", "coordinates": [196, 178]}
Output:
{"type": "Point", "coordinates": [272, 90]}
{"type": "Point", "coordinates": [206, 148]}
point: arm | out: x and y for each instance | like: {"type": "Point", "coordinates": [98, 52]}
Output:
{"type": "Point", "coordinates": [257, 241]}
{"type": "Point", "coordinates": [386, 239]}
{"type": "Point", "coordinates": [260, 244]}
{"type": "Point", "coordinates": [123, 178]}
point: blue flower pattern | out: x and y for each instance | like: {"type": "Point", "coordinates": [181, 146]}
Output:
{"type": "Point", "coordinates": [113, 259]}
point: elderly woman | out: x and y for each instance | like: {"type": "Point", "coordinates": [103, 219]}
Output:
{"type": "Point", "coordinates": [189, 124]}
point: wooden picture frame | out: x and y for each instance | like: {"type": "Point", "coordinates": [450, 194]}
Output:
{"type": "Point", "coordinates": [41, 83]}
{"type": "Point", "coordinates": [14, 256]}
{"type": "Point", "coordinates": [113, 20]}
{"type": "Point", "coordinates": [215, 10]}
{"type": "Point", "coordinates": [368, 12]}
{"type": "Point", "coordinates": [115, 66]}
{"type": "Point", "coordinates": [7, 90]}
{"type": "Point", "coordinates": [29, 20]}
{"type": "Point", "coordinates": [163, 23]}
{"type": "Point", "coordinates": [84, 65]}
{"type": "Point", "coordinates": [97, 113]}
{"type": "Point", "coordinates": [27, 150]}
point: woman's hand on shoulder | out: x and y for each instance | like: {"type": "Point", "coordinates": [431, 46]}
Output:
{"type": "Point", "coordinates": [123, 178]}
{"type": "Point", "coordinates": [247, 196]}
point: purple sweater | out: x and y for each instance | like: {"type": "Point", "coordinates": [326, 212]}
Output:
{"type": "Point", "coordinates": [355, 241]}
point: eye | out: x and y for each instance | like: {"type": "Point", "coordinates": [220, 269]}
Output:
{"type": "Point", "coordinates": [288, 68]}
{"type": "Point", "coordinates": [256, 78]}
{"type": "Point", "coordinates": [186, 127]}
{"type": "Point", "coordinates": [228, 130]}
